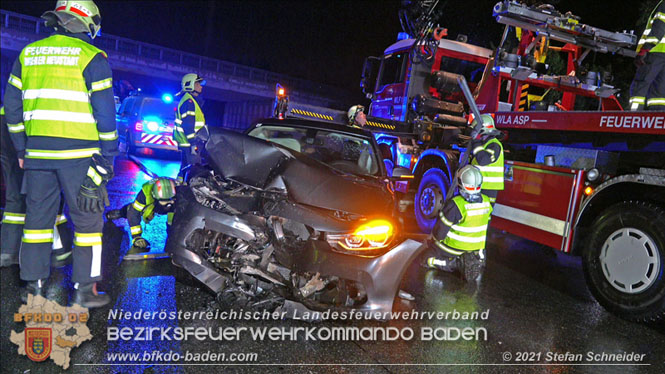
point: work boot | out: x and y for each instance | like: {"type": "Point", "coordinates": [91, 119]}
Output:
{"type": "Point", "coordinates": [61, 257]}
{"type": "Point", "coordinates": [34, 288]}
{"type": "Point", "coordinates": [471, 266]}
{"type": "Point", "coordinates": [448, 265]}
{"type": "Point", "coordinates": [8, 259]}
{"type": "Point", "coordinates": [86, 295]}
{"type": "Point", "coordinates": [113, 214]}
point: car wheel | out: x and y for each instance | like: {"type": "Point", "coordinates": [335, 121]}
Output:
{"type": "Point", "coordinates": [623, 264]}
{"type": "Point", "coordinates": [430, 197]}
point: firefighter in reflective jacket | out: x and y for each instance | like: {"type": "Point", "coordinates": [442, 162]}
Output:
{"type": "Point", "coordinates": [13, 217]}
{"type": "Point", "coordinates": [61, 116]}
{"type": "Point", "coordinates": [458, 238]}
{"type": "Point", "coordinates": [189, 119]}
{"type": "Point", "coordinates": [488, 158]}
{"type": "Point", "coordinates": [156, 196]}
{"type": "Point", "coordinates": [648, 88]}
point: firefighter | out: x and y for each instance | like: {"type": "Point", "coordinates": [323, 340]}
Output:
{"type": "Point", "coordinates": [156, 196]}
{"type": "Point", "coordinates": [60, 112]}
{"type": "Point", "coordinates": [458, 238]}
{"type": "Point", "coordinates": [13, 216]}
{"type": "Point", "coordinates": [356, 116]}
{"type": "Point", "coordinates": [648, 87]}
{"type": "Point", "coordinates": [189, 120]}
{"type": "Point", "coordinates": [488, 157]}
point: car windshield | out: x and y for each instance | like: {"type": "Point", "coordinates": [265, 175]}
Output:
{"type": "Point", "coordinates": [157, 107]}
{"type": "Point", "coordinates": [344, 152]}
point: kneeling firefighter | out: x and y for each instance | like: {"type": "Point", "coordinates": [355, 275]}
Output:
{"type": "Point", "coordinates": [156, 196]}
{"type": "Point", "coordinates": [458, 237]}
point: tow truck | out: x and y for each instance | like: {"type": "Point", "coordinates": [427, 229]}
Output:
{"type": "Point", "coordinates": [582, 175]}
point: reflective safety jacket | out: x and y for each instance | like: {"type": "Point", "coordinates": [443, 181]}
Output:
{"type": "Point", "coordinates": [653, 37]}
{"type": "Point", "coordinates": [59, 101]}
{"type": "Point", "coordinates": [189, 120]}
{"type": "Point", "coordinates": [489, 159]}
{"type": "Point", "coordinates": [468, 230]}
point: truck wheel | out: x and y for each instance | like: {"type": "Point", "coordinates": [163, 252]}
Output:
{"type": "Point", "coordinates": [623, 264]}
{"type": "Point", "coordinates": [429, 199]}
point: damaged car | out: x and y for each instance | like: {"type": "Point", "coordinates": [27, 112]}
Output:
{"type": "Point", "coordinates": [294, 214]}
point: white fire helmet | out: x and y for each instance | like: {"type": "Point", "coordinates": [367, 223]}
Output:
{"type": "Point", "coordinates": [469, 182]}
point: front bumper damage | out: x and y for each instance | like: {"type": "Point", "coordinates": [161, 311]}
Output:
{"type": "Point", "coordinates": [380, 276]}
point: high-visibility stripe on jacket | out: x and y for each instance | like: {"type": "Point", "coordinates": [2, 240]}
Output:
{"type": "Point", "coordinates": [181, 135]}
{"type": "Point", "coordinates": [470, 232]}
{"type": "Point", "coordinates": [145, 202]}
{"type": "Point", "coordinates": [656, 21]}
{"type": "Point", "coordinates": [56, 101]}
{"type": "Point", "coordinates": [492, 173]}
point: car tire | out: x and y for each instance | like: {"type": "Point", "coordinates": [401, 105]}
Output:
{"type": "Point", "coordinates": [429, 198]}
{"type": "Point", "coordinates": [624, 263]}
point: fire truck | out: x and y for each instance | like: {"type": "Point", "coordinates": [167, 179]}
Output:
{"type": "Point", "coordinates": [582, 175]}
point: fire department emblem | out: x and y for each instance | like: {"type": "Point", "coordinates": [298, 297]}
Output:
{"type": "Point", "coordinates": [38, 343]}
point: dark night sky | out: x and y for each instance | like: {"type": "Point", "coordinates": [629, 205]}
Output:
{"type": "Point", "coordinates": [323, 41]}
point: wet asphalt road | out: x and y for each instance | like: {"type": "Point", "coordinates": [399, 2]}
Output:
{"type": "Point", "coordinates": [537, 302]}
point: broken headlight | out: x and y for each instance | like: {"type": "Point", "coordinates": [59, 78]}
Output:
{"type": "Point", "coordinates": [370, 238]}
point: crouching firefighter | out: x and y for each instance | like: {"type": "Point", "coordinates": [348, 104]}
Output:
{"type": "Point", "coordinates": [488, 158]}
{"type": "Point", "coordinates": [189, 120]}
{"type": "Point", "coordinates": [458, 238]}
{"type": "Point", "coordinates": [156, 196]}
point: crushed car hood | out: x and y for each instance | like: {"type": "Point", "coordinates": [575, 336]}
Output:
{"type": "Point", "coordinates": [267, 166]}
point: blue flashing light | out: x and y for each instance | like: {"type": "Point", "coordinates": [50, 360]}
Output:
{"type": "Point", "coordinates": [402, 35]}
{"type": "Point", "coordinates": [167, 98]}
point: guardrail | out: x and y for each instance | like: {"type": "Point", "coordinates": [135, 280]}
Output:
{"type": "Point", "coordinates": [111, 43]}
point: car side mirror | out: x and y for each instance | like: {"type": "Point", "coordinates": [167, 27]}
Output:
{"type": "Point", "coordinates": [400, 172]}
{"type": "Point", "coordinates": [369, 76]}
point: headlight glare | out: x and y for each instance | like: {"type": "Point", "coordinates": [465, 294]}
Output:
{"type": "Point", "coordinates": [368, 237]}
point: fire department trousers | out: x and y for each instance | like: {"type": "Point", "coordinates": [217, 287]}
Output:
{"type": "Point", "coordinates": [13, 216]}
{"type": "Point", "coordinates": [187, 158]}
{"type": "Point", "coordinates": [648, 87]}
{"type": "Point", "coordinates": [43, 187]}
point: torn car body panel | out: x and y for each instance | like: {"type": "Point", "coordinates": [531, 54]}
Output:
{"type": "Point", "coordinates": [253, 227]}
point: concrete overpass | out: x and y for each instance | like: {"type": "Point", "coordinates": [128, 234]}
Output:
{"type": "Point", "coordinates": [237, 94]}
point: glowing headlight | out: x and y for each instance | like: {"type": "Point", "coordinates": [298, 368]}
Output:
{"type": "Point", "coordinates": [370, 236]}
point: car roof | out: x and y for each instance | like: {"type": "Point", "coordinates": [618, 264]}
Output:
{"type": "Point", "coordinates": [319, 125]}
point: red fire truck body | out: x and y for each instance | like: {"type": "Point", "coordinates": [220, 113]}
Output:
{"type": "Point", "coordinates": [581, 175]}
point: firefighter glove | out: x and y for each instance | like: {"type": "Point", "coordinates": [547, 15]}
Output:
{"type": "Point", "coordinates": [140, 244]}
{"type": "Point", "coordinates": [641, 57]}
{"type": "Point", "coordinates": [93, 197]}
